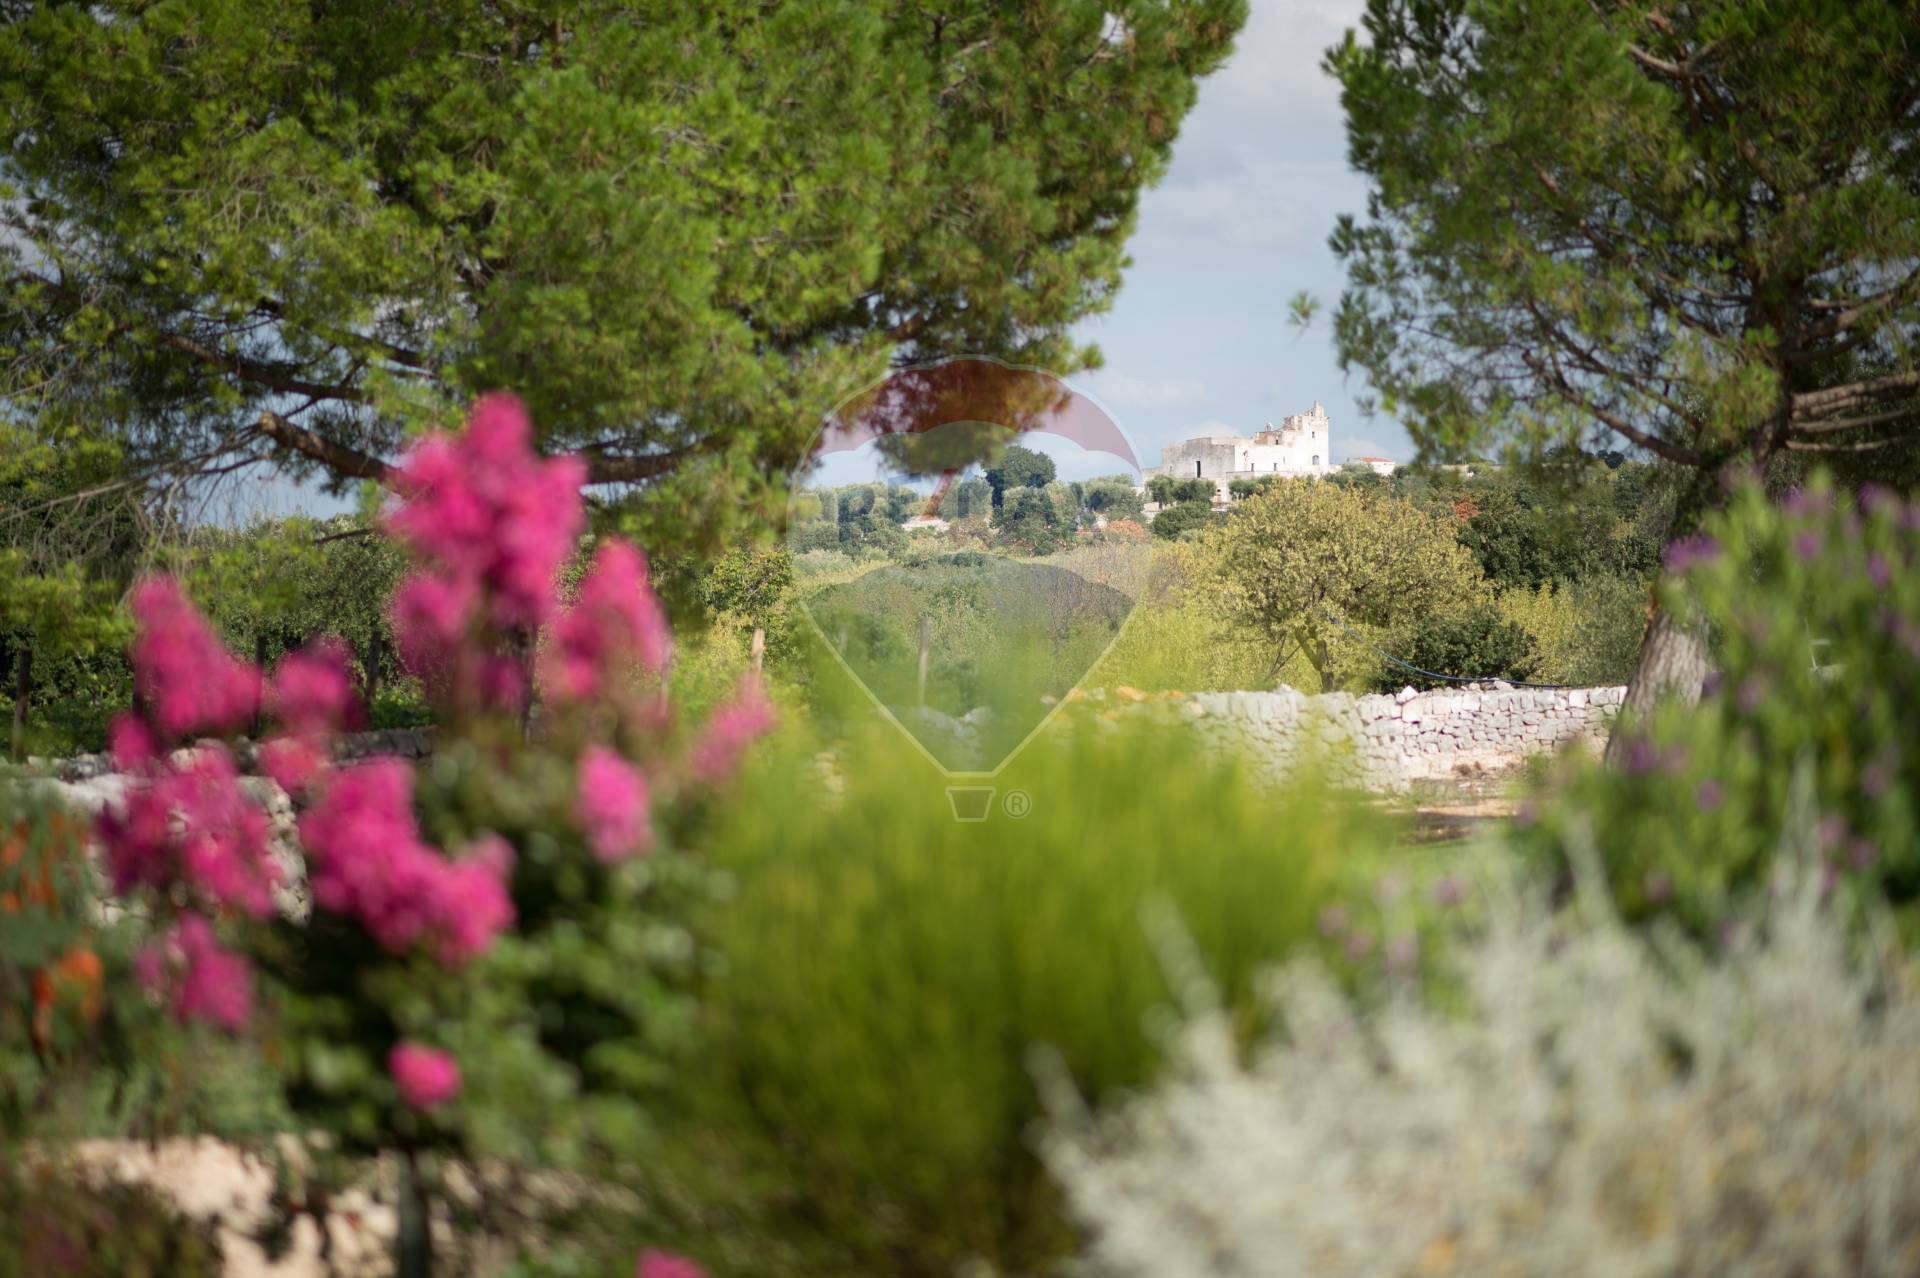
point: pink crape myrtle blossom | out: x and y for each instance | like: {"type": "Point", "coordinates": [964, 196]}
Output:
{"type": "Point", "coordinates": [368, 861]}
{"type": "Point", "coordinates": [130, 742]}
{"type": "Point", "coordinates": [293, 763]}
{"type": "Point", "coordinates": [186, 819]}
{"type": "Point", "coordinates": [311, 697]}
{"type": "Point", "coordinates": [616, 625]}
{"type": "Point", "coordinates": [189, 681]}
{"type": "Point", "coordinates": [484, 510]}
{"type": "Point", "coordinates": [474, 907]}
{"type": "Point", "coordinates": [425, 1076]}
{"type": "Point", "coordinates": [214, 985]}
{"type": "Point", "coordinates": [193, 823]}
{"type": "Point", "coordinates": [732, 727]}
{"type": "Point", "coordinates": [432, 620]}
{"type": "Point", "coordinates": [311, 693]}
{"type": "Point", "coordinates": [611, 805]}
{"type": "Point", "coordinates": [663, 1264]}
{"type": "Point", "coordinates": [224, 847]}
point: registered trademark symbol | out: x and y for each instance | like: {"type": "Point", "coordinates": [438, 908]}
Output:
{"type": "Point", "coordinates": [1017, 803]}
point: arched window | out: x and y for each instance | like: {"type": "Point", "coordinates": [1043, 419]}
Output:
{"type": "Point", "coordinates": [1316, 459]}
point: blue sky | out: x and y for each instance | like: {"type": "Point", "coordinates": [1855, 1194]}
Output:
{"type": "Point", "coordinates": [1197, 342]}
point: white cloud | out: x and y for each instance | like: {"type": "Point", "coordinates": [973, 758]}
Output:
{"type": "Point", "coordinates": [1123, 390]}
{"type": "Point", "coordinates": [1259, 206]}
{"type": "Point", "coordinates": [1260, 164]}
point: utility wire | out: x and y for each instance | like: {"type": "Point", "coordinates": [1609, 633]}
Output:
{"type": "Point", "coordinates": [1435, 674]}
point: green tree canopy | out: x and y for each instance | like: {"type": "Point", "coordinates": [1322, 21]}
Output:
{"type": "Point", "coordinates": [1304, 559]}
{"type": "Point", "coordinates": [679, 231]}
{"type": "Point", "coordinates": [1019, 467]}
{"type": "Point", "coordinates": [1694, 229]}
{"type": "Point", "coordinates": [1112, 496]}
{"type": "Point", "coordinates": [1029, 520]}
{"type": "Point", "coordinates": [1689, 229]}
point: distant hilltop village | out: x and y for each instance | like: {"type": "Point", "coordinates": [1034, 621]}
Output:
{"type": "Point", "coordinates": [1302, 444]}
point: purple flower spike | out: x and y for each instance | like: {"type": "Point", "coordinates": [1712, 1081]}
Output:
{"type": "Point", "coordinates": [1691, 552]}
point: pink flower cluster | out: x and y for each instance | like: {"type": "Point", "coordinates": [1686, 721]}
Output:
{"type": "Point", "coordinates": [194, 823]}
{"type": "Point", "coordinates": [490, 522]}
{"type": "Point", "coordinates": [311, 697]}
{"type": "Point", "coordinates": [425, 1076]}
{"type": "Point", "coordinates": [312, 689]}
{"type": "Point", "coordinates": [661, 1264]}
{"type": "Point", "coordinates": [616, 624]}
{"type": "Point", "coordinates": [190, 683]}
{"type": "Point", "coordinates": [733, 726]}
{"type": "Point", "coordinates": [367, 861]}
{"type": "Point", "coordinates": [208, 983]}
{"type": "Point", "coordinates": [611, 805]}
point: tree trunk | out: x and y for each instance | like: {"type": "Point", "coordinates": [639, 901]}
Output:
{"type": "Point", "coordinates": [413, 1242]}
{"type": "Point", "coordinates": [1673, 652]}
{"type": "Point", "coordinates": [1673, 664]}
{"type": "Point", "coordinates": [259, 701]}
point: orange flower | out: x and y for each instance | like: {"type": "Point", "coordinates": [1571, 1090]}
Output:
{"type": "Point", "coordinates": [78, 972]}
{"type": "Point", "coordinates": [81, 969]}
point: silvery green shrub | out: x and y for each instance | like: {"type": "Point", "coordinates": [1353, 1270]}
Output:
{"type": "Point", "coordinates": [1600, 1104]}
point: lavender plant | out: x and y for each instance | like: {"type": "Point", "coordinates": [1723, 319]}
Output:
{"type": "Point", "coordinates": [1813, 605]}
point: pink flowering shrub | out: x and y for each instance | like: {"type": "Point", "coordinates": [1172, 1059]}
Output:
{"type": "Point", "coordinates": [484, 970]}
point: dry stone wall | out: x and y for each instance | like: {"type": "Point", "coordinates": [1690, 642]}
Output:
{"type": "Point", "coordinates": [1391, 741]}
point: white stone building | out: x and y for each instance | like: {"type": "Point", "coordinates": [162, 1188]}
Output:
{"type": "Point", "coordinates": [1301, 444]}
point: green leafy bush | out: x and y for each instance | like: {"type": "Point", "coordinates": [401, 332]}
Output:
{"type": "Point", "coordinates": [1475, 644]}
{"type": "Point", "coordinates": [1586, 632]}
{"type": "Point", "coordinates": [1177, 519]}
{"type": "Point", "coordinates": [1814, 611]}
{"type": "Point", "coordinates": [863, 1103]}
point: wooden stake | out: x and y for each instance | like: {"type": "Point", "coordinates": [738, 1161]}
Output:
{"type": "Point", "coordinates": [920, 684]}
